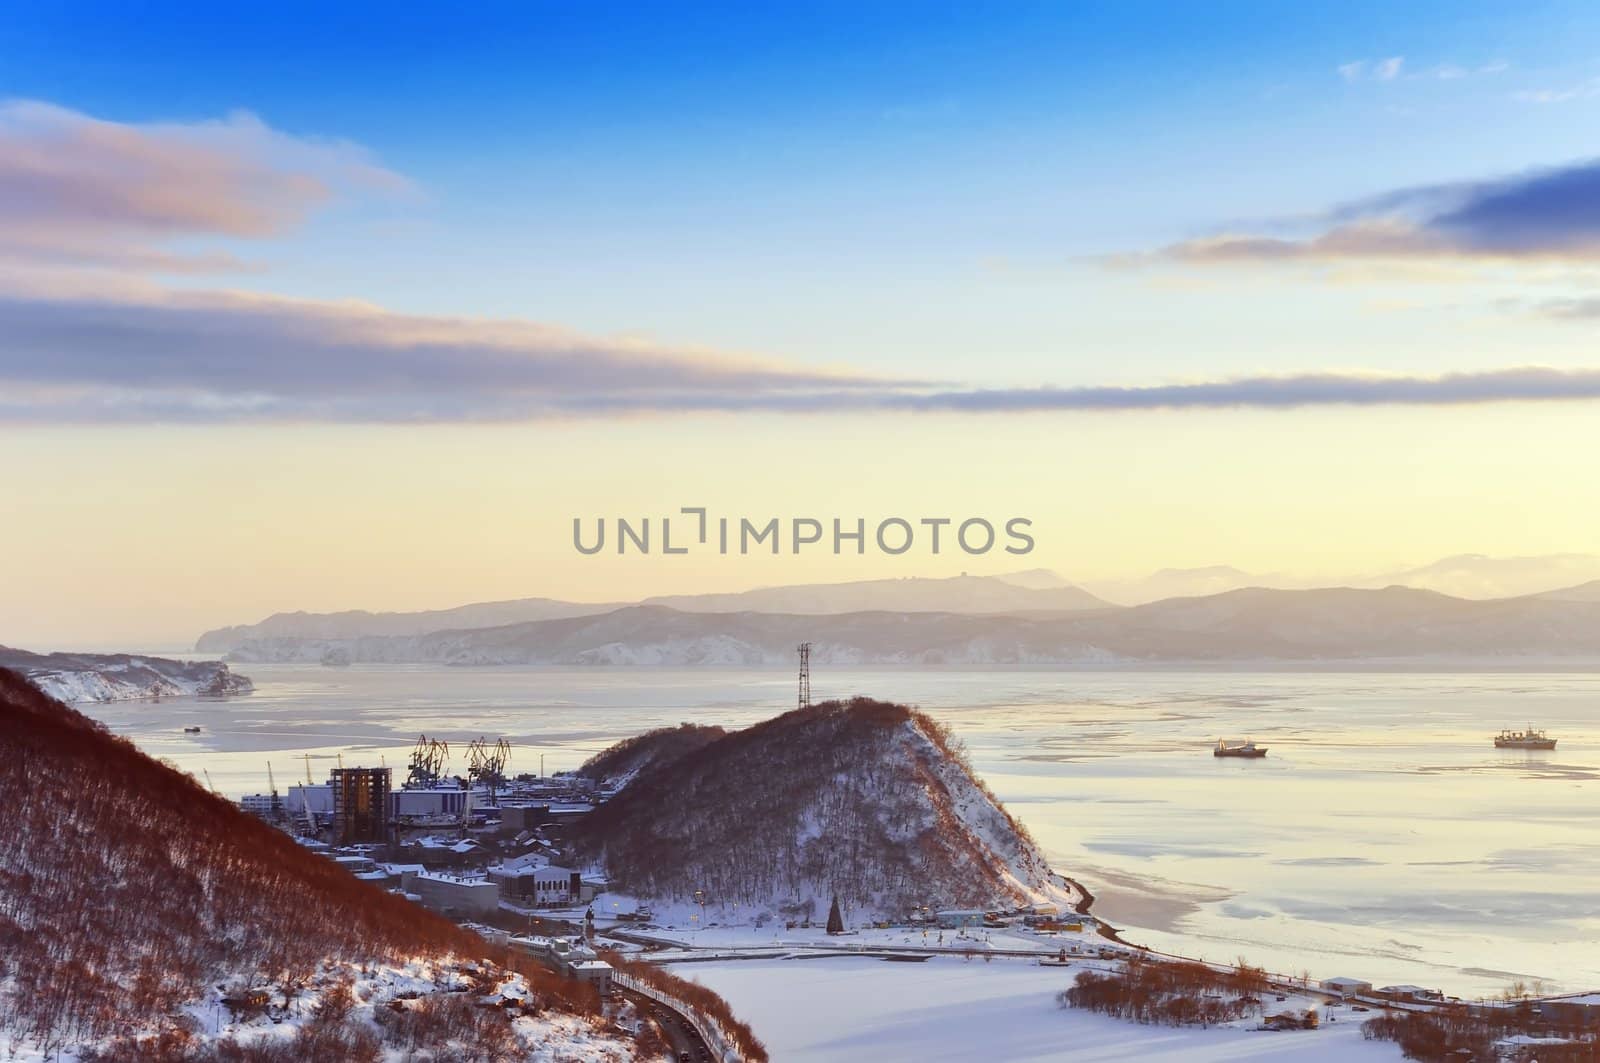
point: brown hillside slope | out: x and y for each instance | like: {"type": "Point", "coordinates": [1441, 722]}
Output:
{"type": "Point", "coordinates": [126, 889]}
{"type": "Point", "coordinates": [653, 748]}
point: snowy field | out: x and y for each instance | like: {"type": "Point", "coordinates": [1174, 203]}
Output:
{"type": "Point", "coordinates": [850, 1009]}
{"type": "Point", "coordinates": [679, 925]}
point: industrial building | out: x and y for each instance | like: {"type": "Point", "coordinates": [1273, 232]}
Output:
{"type": "Point", "coordinates": [360, 804]}
{"type": "Point", "coordinates": [1347, 987]}
{"type": "Point", "coordinates": [442, 801]}
{"type": "Point", "coordinates": [318, 796]}
{"type": "Point", "coordinates": [960, 918]}
{"type": "Point", "coordinates": [263, 805]}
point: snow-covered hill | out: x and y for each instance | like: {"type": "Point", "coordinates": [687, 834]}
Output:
{"type": "Point", "coordinates": [862, 800]}
{"type": "Point", "coordinates": [143, 917]}
{"type": "Point", "coordinates": [122, 677]}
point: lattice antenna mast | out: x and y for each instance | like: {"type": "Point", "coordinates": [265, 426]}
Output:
{"type": "Point", "coordinates": [804, 649]}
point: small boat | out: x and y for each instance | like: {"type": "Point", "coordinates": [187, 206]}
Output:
{"type": "Point", "coordinates": [1238, 747]}
{"type": "Point", "coordinates": [1529, 739]}
{"type": "Point", "coordinates": [191, 730]}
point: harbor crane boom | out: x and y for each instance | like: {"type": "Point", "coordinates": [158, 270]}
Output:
{"type": "Point", "coordinates": [272, 787]}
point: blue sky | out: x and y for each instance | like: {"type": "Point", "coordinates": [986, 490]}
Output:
{"type": "Point", "coordinates": [885, 185]}
{"type": "Point", "coordinates": [1299, 288]}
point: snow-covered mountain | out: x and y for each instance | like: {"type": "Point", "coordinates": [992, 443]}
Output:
{"type": "Point", "coordinates": [121, 676]}
{"type": "Point", "coordinates": [862, 800]}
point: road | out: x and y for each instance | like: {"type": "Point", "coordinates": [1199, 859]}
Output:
{"type": "Point", "coordinates": [680, 1036]}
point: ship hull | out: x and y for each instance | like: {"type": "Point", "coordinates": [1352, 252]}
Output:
{"type": "Point", "coordinates": [1501, 743]}
{"type": "Point", "coordinates": [1242, 754]}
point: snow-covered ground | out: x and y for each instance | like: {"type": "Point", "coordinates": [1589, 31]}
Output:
{"type": "Point", "coordinates": [548, 1037]}
{"type": "Point", "coordinates": [676, 926]}
{"type": "Point", "coordinates": [848, 1009]}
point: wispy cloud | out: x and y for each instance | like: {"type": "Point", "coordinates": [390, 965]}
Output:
{"type": "Point", "coordinates": [1372, 69]}
{"type": "Point", "coordinates": [1519, 384]}
{"type": "Point", "coordinates": [81, 190]}
{"type": "Point", "coordinates": [1394, 69]}
{"type": "Point", "coordinates": [1583, 90]}
{"type": "Point", "coordinates": [1574, 308]}
{"type": "Point", "coordinates": [1551, 213]}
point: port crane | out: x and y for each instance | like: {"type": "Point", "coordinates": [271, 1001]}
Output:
{"type": "Point", "coordinates": [272, 787]}
{"type": "Point", "coordinates": [488, 764]}
{"type": "Point", "coordinates": [428, 760]}
{"type": "Point", "coordinates": [305, 798]}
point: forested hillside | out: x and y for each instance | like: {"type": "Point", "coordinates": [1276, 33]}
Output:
{"type": "Point", "coordinates": [864, 800]}
{"type": "Point", "coordinates": [620, 763]}
{"type": "Point", "coordinates": [130, 897]}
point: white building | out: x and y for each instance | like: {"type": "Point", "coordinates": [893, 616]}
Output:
{"type": "Point", "coordinates": [596, 972]}
{"type": "Point", "coordinates": [259, 804]}
{"type": "Point", "coordinates": [533, 880]}
{"type": "Point", "coordinates": [455, 894]}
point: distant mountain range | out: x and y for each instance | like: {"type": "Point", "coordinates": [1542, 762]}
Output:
{"type": "Point", "coordinates": [1340, 624]}
{"type": "Point", "coordinates": [1039, 590]}
{"type": "Point", "coordinates": [1463, 575]}
{"type": "Point", "coordinates": [1032, 617]}
{"type": "Point", "coordinates": [358, 623]}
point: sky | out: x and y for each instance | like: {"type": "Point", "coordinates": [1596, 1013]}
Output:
{"type": "Point", "coordinates": [315, 309]}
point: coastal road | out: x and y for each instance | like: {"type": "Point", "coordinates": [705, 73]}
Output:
{"type": "Point", "coordinates": [681, 1038]}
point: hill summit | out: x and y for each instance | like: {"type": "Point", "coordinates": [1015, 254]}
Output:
{"type": "Point", "coordinates": [867, 801]}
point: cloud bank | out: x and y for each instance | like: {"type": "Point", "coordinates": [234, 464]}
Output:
{"type": "Point", "coordinates": [208, 357]}
{"type": "Point", "coordinates": [1550, 214]}
{"type": "Point", "coordinates": [224, 356]}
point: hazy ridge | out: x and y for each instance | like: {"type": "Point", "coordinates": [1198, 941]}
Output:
{"type": "Point", "coordinates": [1340, 624]}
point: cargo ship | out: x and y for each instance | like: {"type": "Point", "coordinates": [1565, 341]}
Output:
{"type": "Point", "coordinates": [1529, 739]}
{"type": "Point", "coordinates": [1236, 747]}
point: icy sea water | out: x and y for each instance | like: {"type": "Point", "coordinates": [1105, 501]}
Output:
{"type": "Point", "coordinates": [1383, 836]}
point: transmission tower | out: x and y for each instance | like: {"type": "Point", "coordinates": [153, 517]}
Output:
{"type": "Point", "coordinates": [804, 649]}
